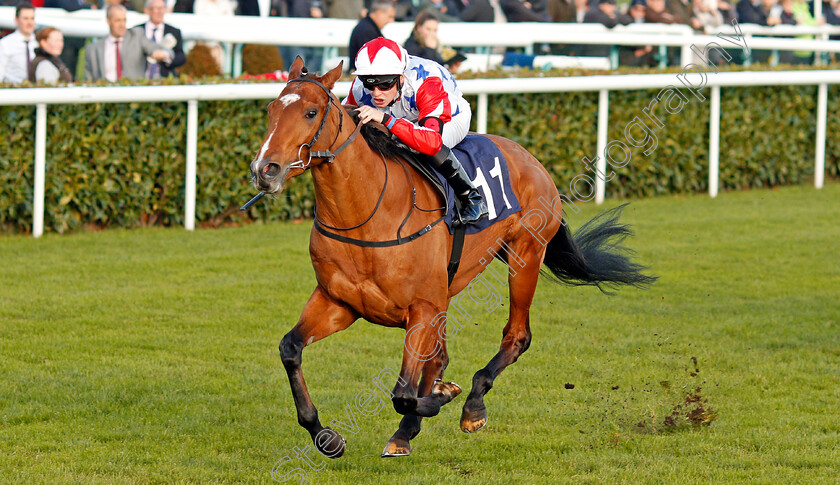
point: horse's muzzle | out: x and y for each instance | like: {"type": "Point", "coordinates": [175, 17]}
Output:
{"type": "Point", "coordinates": [268, 176]}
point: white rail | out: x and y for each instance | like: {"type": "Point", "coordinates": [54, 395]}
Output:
{"type": "Point", "coordinates": [332, 34]}
{"type": "Point", "coordinates": [192, 94]}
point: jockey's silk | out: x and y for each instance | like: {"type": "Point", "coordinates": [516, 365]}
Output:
{"type": "Point", "coordinates": [429, 91]}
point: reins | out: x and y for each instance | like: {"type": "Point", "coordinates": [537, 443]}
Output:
{"type": "Point", "coordinates": [329, 155]}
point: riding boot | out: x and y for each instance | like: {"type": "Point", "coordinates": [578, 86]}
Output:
{"type": "Point", "coordinates": [473, 207]}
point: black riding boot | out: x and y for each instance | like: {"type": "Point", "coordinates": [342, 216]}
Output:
{"type": "Point", "coordinates": [473, 207]}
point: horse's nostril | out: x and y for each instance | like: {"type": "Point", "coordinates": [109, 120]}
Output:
{"type": "Point", "coordinates": [271, 170]}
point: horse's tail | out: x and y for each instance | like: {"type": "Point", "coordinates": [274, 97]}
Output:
{"type": "Point", "coordinates": [594, 255]}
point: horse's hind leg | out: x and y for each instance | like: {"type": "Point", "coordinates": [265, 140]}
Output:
{"type": "Point", "coordinates": [516, 335]}
{"type": "Point", "coordinates": [321, 317]}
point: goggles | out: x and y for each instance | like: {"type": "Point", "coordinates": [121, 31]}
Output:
{"type": "Point", "coordinates": [384, 83]}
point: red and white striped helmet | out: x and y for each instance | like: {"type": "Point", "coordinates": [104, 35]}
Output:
{"type": "Point", "coordinates": [380, 57]}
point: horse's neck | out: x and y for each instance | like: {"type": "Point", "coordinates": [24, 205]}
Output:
{"type": "Point", "coordinates": [347, 190]}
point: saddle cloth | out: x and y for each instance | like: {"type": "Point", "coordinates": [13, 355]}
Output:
{"type": "Point", "coordinates": [487, 168]}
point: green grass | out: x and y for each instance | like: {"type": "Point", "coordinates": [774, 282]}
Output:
{"type": "Point", "coordinates": [150, 356]}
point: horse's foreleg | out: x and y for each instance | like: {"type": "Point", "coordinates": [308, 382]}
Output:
{"type": "Point", "coordinates": [424, 351]}
{"type": "Point", "coordinates": [432, 394]}
{"type": "Point", "coordinates": [516, 336]}
{"type": "Point", "coordinates": [321, 317]}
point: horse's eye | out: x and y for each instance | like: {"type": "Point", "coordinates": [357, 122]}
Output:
{"type": "Point", "coordinates": [311, 113]}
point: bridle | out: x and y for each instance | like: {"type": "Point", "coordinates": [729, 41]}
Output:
{"type": "Point", "coordinates": [328, 155]}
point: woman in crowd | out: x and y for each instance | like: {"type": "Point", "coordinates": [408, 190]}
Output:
{"type": "Point", "coordinates": [423, 41]}
{"type": "Point", "coordinates": [47, 67]}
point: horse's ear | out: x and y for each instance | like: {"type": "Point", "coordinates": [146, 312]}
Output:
{"type": "Point", "coordinates": [296, 69]}
{"type": "Point", "coordinates": [331, 77]}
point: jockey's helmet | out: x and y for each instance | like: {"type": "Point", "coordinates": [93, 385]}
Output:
{"type": "Point", "coordinates": [381, 57]}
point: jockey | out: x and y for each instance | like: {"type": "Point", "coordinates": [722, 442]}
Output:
{"type": "Point", "coordinates": [417, 100]}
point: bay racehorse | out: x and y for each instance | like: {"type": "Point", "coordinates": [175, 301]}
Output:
{"type": "Point", "coordinates": [369, 197]}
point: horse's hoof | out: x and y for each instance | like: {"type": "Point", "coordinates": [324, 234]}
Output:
{"type": "Point", "coordinates": [472, 421]}
{"type": "Point", "coordinates": [471, 426]}
{"type": "Point", "coordinates": [330, 443]}
{"type": "Point", "coordinates": [396, 448]}
{"type": "Point", "coordinates": [446, 390]}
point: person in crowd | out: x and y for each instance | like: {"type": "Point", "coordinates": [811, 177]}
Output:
{"type": "Point", "coordinates": [706, 13]}
{"type": "Point", "coordinates": [380, 14]}
{"type": "Point", "coordinates": [444, 10]}
{"type": "Point", "coordinates": [248, 8]}
{"type": "Point", "coordinates": [758, 12]}
{"type": "Point", "coordinates": [122, 54]}
{"type": "Point", "coordinates": [419, 102]}
{"type": "Point", "coordinates": [72, 45]}
{"type": "Point", "coordinates": [18, 48]}
{"type": "Point", "coordinates": [164, 34]}
{"type": "Point", "coordinates": [605, 14]}
{"type": "Point", "coordinates": [525, 11]}
{"type": "Point", "coordinates": [636, 55]}
{"type": "Point", "coordinates": [657, 13]}
{"type": "Point", "coordinates": [47, 66]}
{"type": "Point", "coordinates": [423, 41]}
{"type": "Point", "coordinates": [184, 6]}
{"type": "Point", "coordinates": [567, 11]}
{"type": "Point", "coordinates": [480, 11]}
{"type": "Point", "coordinates": [684, 12]}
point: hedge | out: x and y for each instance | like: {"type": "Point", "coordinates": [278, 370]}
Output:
{"type": "Point", "coordinates": [122, 165]}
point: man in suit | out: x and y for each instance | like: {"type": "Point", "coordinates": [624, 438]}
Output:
{"type": "Point", "coordinates": [381, 13]}
{"type": "Point", "coordinates": [123, 53]}
{"type": "Point", "coordinates": [162, 34]}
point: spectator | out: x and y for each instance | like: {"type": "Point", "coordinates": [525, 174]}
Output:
{"type": "Point", "coordinates": [606, 15]}
{"type": "Point", "coordinates": [47, 67]}
{"type": "Point", "coordinates": [345, 9]}
{"type": "Point", "coordinates": [248, 8]}
{"type": "Point", "coordinates": [522, 11]}
{"type": "Point", "coordinates": [72, 45]}
{"type": "Point", "coordinates": [184, 6]}
{"type": "Point", "coordinates": [422, 106]}
{"type": "Point", "coordinates": [18, 48]}
{"type": "Point", "coordinates": [637, 11]}
{"type": "Point", "coordinates": [164, 34]}
{"type": "Point", "coordinates": [423, 41]}
{"type": "Point", "coordinates": [567, 11]}
{"type": "Point", "coordinates": [684, 13]}
{"type": "Point", "coordinates": [656, 13]}
{"type": "Point", "coordinates": [758, 12]}
{"type": "Point", "coordinates": [706, 13]}
{"type": "Point", "coordinates": [380, 14]}
{"type": "Point", "coordinates": [480, 11]}
{"type": "Point", "coordinates": [636, 55]}
{"type": "Point", "coordinates": [444, 10]}
{"type": "Point", "coordinates": [123, 53]}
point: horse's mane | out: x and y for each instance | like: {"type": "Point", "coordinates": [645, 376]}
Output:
{"type": "Point", "coordinates": [377, 136]}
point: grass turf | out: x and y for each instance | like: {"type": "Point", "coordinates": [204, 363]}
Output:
{"type": "Point", "coordinates": [151, 356]}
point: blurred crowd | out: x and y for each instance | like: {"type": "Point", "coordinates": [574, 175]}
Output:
{"type": "Point", "coordinates": [155, 49]}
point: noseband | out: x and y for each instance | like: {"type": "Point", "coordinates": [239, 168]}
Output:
{"type": "Point", "coordinates": [328, 155]}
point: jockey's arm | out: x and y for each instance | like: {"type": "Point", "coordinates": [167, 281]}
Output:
{"type": "Point", "coordinates": [433, 104]}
